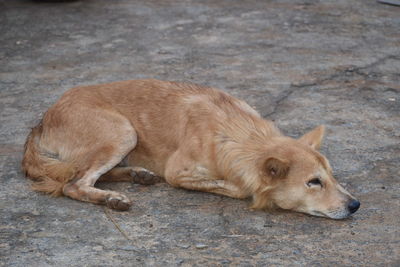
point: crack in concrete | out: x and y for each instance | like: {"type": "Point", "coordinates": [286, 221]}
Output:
{"type": "Point", "coordinates": [284, 96]}
{"type": "Point", "coordinates": [352, 69]}
{"type": "Point", "coordinates": [357, 70]}
{"type": "Point", "coordinates": [109, 216]}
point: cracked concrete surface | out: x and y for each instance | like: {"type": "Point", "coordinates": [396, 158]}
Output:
{"type": "Point", "coordinates": [299, 63]}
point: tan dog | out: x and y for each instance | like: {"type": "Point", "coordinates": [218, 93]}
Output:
{"type": "Point", "coordinates": [195, 137]}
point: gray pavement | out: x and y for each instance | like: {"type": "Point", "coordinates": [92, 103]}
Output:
{"type": "Point", "coordinates": [299, 63]}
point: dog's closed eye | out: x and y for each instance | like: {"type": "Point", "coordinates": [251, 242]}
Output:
{"type": "Point", "coordinates": [314, 182]}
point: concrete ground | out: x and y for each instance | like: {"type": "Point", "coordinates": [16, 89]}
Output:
{"type": "Point", "coordinates": [299, 63]}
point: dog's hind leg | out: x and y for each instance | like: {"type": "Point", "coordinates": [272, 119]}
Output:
{"type": "Point", "coordinates": [130, 174]}
{"type": "Point", "coordinates": [107, 150]}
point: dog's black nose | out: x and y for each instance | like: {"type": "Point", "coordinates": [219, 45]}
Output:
{"type": "Point", "coordinates": [353, 205]}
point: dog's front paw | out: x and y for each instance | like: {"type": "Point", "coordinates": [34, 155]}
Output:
{"type": "Point", "coordinates": [145, 177]}
{"type": "Point", "coordinates": [118, 203]}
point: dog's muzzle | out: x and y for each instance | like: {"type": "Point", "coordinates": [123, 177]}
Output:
{"type": "Point", "coordinates": [341, 213]}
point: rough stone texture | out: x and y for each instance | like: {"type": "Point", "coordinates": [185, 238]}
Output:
{"type": "Point", "coordinates": [300, 63]}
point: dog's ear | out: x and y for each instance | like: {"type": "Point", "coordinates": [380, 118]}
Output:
{"type": "Point", "coordinates": [314, 137]}
{"type": "Point", "coordinates": [276, 168]}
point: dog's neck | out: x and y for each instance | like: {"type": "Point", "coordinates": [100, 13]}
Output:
{"type": "Point", "coordinates": [240, 145]}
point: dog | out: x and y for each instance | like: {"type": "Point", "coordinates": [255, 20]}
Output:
{"type": "Point", "coordinates": [191, 136]}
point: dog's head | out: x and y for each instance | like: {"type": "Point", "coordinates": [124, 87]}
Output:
{"type": "Point", "coordinates": [297, 177]}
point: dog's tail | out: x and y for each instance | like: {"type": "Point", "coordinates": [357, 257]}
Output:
{"type": "Point", "coordinates": [48, 173]}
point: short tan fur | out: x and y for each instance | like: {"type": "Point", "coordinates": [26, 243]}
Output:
{"type": "Point", "coordinates": [191, 136]}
